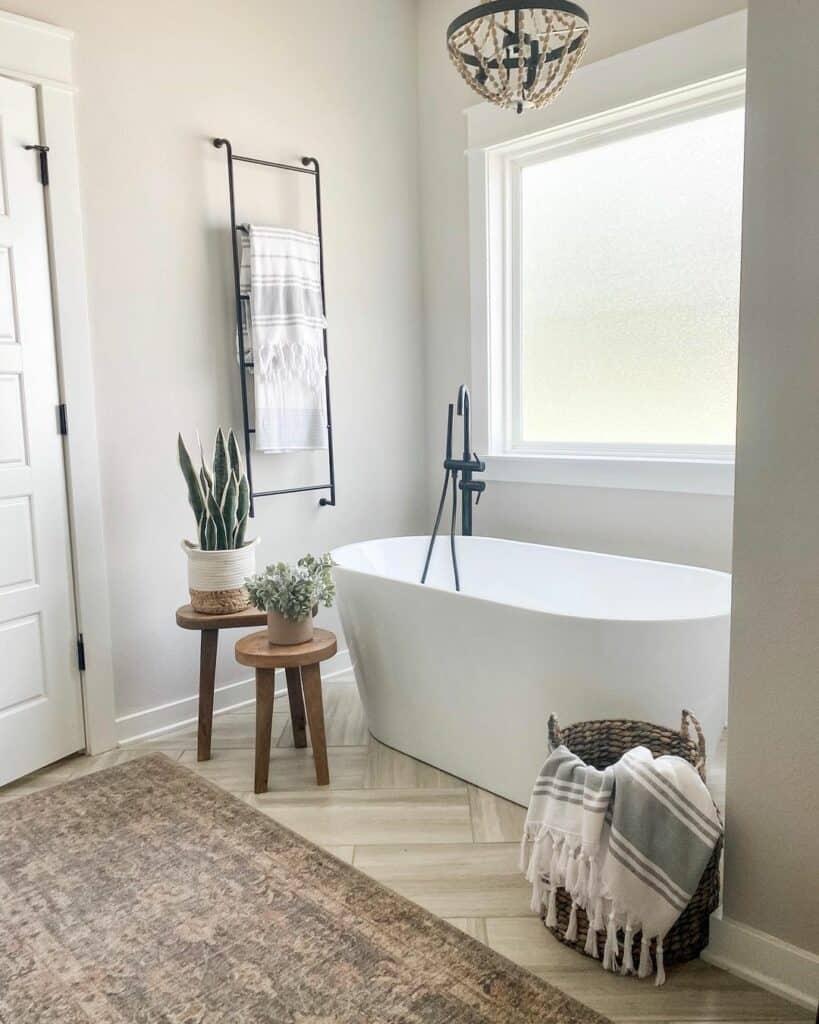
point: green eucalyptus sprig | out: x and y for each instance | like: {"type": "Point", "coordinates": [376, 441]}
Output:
{"type": "Point", "coordinates": [218, 494]}
{"type": "Point", "coordinates": [294, 590]}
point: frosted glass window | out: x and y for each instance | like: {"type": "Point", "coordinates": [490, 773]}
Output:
{"type": "Point", "coordinates": [630, 288]}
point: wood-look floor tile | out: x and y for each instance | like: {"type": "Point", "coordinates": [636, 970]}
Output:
{"type": "Point", "coordinates": [473, 926]}
{"type": "Point", "coordinates": [291, 769]}
{"type": "Point", "coordinates": [467, 880]}
{"type": "Point", "coordinates": [527, 942]}
{"type": "Point", "coordinates": [344, 720]}
{"type": "Point", "coordinates": [390, 769]}
{"type": "Point", "coordinates": [357, 817]}
{"type": "Point", "coordinates": [344, 853]}
{"type": "Point", "coordinates": [694, 989]}
{"type": "Point", "coordinates": [495, 820]}
{"type": "Point", "coordinates": [231, 731]}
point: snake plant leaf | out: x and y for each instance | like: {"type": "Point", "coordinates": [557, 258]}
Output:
{"type": "Point", "coordinates": [211, 539]}
{"type": "Point", "coordinates": [204, 473]}
{"type": "Point", "coordinates": [195, 496]}
{"type": "Point", "coordinates": [229, 509]}
{"type": "Point", "coordinates": [201, 528]}
{"type": "Point", "coordinates": [205, 483]}
{"type": "Point", "coordinates": [241, 526]}
{"type": "Point", "coordinates": [234, 455]}
{"type": "Point", "coordinates": [220, 466]}
{"type": "Point", "coordinates": [242, 501]}
{"type": "Point", "coordinates": [215, 514]}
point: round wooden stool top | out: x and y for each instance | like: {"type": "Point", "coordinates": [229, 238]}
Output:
{"type": "Point", "coordinates": [187, 618]}
{"type": "Point", "coordinates": [256, 651]}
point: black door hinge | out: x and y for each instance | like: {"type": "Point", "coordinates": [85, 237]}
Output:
{"type": "Point", "coordinates": [62, 419]}
{"type": "Point", "coordinates": [81, 653]}
{"type": "Point", "coordinates": [43, 151]}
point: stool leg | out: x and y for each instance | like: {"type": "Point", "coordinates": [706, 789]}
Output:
{"type": "Point", "coordinates": [208, 646]}
{"type": "Point", "coordinates": [296, 706]}
{"type": "Point", "coordinates": [265, 691]}
{"type": "Point", "coordinates": [311, 681]}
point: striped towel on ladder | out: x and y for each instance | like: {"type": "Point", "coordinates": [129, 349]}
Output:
{"type": "Point", "coordinates": [280, 285]}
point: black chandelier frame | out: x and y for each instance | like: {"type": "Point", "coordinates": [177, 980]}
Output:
{"type": "Point", "coordinates": [510, 6]}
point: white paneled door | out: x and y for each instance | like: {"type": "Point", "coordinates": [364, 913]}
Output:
{"type": "Point", "coordinates": [40, 698]}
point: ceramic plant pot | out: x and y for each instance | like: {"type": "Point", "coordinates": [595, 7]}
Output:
{"type": "Point", "coordinates": [287, 632]}
{"type": "Point", "coordinates": [216, 579]}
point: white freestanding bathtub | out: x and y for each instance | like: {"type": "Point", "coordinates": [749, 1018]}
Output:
{"type": "Point", "coordinates": [466, 681]}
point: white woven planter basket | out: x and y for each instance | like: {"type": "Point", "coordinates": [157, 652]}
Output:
{"type": "Point", "coordinates": [216, 578]}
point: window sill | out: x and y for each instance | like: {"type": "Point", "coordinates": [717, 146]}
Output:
{"type": "Point", "coordinates": [689, 476]}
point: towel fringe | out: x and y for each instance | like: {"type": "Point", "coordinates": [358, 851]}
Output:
{"type": "Point", "coordinates": [611, 948]}
{"type": "Point", "coordinates": [599, 923]}
{"type": "Point", "coordinates": [523, 863]}
{"type": "Point", "coordinates": [551, 910]}
{"type": "Point", "coordinates": [644, 969]}
{"type": "Point", "coordinates": [582, 881]}
{"type": "Point", "coordinates": [628, 956]}
{"type": "Point", "coordinates": [660, 965]}
{"type": "Point", "coordinates": [571, 931]}
{"type": "Point", "coordinates": [571, 872]}
{"type": "Point", "coordinates": [590, 949]}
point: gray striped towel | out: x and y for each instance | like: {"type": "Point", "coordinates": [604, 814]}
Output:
{"type": "Point", "coordinates": [664, 827]}
{"type": "Point", "coordinates": [628, 844]}
{"type": "Point", "coordinates": [564, 828]}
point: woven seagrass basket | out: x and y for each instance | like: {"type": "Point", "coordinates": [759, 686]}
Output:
{"type": "Point", "coordinates": [601, 743]}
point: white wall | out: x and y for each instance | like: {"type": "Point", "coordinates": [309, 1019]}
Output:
{"type": "Point", "coordinates": [157, 81]}
{"type": "Point", "coordinates": [772, 843]}
{"type": "Point", "coordinates": [673, 527]}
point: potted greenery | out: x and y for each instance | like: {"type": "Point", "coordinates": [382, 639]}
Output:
{"type": "Point", "coordinates": [290, 594]}
{"type": "Point", "coordinates": [220, 498]}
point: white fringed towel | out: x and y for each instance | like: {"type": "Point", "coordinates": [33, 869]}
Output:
{"type": "Point", "coordinates": [564, 827]}
{"type": "Point", "coordinates": [628, 844]}
{"type": "Point", "coordinates": [280, 282]}
{"type": "Point", "coordinates": [664, 827]}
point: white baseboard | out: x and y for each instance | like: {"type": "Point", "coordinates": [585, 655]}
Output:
{"type": "Point", "coordinates": [152, 722]}
{"type": "Point", "coordinates": [764, 960]}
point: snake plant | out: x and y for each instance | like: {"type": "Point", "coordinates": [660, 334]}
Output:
{"type": "Point", "coordinates": [218, 493]}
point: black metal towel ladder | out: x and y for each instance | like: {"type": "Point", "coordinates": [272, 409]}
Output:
{"type": "Point", "coordinates": [309, 165]}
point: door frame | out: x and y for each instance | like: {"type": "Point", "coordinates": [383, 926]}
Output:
{"type": "Point", "coordinates": [40, 54]}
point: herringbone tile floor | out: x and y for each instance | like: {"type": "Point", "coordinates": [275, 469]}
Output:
{"type": "Point", "coordinates": [451, 847]}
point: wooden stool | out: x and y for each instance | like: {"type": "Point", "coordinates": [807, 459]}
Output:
{"type": "Point", "coordinates": [301, 666]}
{"type": "Point", "coordinates": [209, 626]}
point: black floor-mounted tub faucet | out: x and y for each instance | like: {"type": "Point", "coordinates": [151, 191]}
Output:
{"type": "Point", "coordinates": [464, 467]}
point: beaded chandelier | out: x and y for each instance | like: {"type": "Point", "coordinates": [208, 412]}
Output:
{"type": "Point", "coordinates": [518, 55]}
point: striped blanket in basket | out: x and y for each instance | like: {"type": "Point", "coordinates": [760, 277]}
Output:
{"type": "Point", "coordinates": [629, 845]}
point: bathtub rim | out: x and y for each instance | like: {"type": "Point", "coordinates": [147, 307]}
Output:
{"type": "Point", "coordinates": [670, 620]}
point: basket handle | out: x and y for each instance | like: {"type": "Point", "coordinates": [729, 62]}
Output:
{"type": "Point", "coordinates": [555, 739]}
{"type": "Point", "coordinates": [689, 719]}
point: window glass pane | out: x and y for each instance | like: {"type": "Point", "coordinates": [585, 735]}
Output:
{"type": "Point", "coordinates": [630, 288]}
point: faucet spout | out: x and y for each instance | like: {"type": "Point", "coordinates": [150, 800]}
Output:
{"type": "Point", "coordinates": [470, 489]}
{"type": "Point", "coordinates": [465, 411]}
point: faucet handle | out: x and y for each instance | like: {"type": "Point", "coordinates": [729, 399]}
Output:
{"type": "Point", "coordinates": [480, 467]}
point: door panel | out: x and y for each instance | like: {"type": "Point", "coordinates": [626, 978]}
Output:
{"type": "Point", "coordinates": [40, 697]}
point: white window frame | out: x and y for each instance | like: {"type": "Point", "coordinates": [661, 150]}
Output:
{"type": "Point", "coordinates": [497, 156]}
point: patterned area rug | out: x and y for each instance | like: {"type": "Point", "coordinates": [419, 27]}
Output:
{"type": "Point", "coordinates": [143, 894]}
